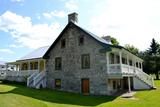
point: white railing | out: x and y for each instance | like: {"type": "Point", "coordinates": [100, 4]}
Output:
{"type": "Point", "coordinates": [6, 73]}
{"type": "Point", "coordinates": [30, 79]}
{"type": "Point", "coordinates": [145, 77]}
{"type": "Point", "coordinates": [114, 69]}
{"type": "Point", "coordinates": [120, 69]}
{"type": "Point", "coordinates": [39, 77]}
{"type": "Point", "coordinates": [130, 70]}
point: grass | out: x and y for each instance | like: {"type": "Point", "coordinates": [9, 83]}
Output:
{"type": "Point", "coordinates": [13, 95]}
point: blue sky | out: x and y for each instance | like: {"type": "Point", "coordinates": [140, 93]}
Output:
{"type": "Point", "coordinates": [28, 24]}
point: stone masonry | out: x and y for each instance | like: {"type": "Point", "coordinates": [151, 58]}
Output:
{"type": "Point", "coordinates": [72, 73]}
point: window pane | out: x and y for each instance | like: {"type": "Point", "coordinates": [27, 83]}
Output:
{"type": "Point", "coordinates": [85, 61]}
{"type": "Point", "coordinates": [63, 43]}
{"type": "Point", "coordinates": [58, 63]}
{"type": "Point", "coordinates": [81, 40]}
{"type": "Point", "coordinates": [57, 83]}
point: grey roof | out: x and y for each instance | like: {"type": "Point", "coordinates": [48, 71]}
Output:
{"type": "Point", "coordinates": [94, 36]}
{"type": "Point", "coordinates": [38, 53]}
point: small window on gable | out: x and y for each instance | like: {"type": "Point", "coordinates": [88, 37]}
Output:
{"type": "Point", "coordinates": [81, 40]}
{"type": "Point", "coordinates": [63, 43]}
{"type": "Point", "coordinates": [58, 83]}
{"type": "Point", "coordinates": [85, 58]}
{"type": "Point", "coordinates": [58, 63]}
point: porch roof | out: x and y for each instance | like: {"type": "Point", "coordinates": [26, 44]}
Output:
{"type": "Point", "coordinates": [38, 53]}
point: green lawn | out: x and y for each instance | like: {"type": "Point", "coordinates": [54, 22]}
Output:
{"type": "Point", "coordinates": [12, 95]}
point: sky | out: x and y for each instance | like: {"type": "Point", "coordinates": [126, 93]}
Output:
{"type": "Point", "coordinates": [28, 24]}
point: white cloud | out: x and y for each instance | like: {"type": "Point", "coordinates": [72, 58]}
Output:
{"type": "Point", "coordinates": [15, 46]}
{"type": "Point", "coordinates": [131, 22]}
{"type": "Point", "coordinates": [17, 0]}
{"type": "Point", "coordinates": [26, 33]}
{"type": "Point", "coordinates": [6, 51]}
{"type": "Point", "coordinates": [72, 5]}
{"type": "Point", "coordinates": [60, 14]}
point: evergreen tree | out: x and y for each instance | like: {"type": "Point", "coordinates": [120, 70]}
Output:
{"type": "Point", "coordinates": [154, 48]}
{"type": "Point", "coordinates": [154, 58]}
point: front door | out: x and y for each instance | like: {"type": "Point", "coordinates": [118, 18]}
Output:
{"type": "Point", "coordinates": [85, 86]}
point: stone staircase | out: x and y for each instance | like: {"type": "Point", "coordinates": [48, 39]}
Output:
{"type": "Point", "coordinates": [37, 80]}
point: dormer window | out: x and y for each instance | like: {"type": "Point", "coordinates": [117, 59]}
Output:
{"type": "Point", "coordinates": [63, 43]}
{"type": "Point", "coordinates": [81, 40]}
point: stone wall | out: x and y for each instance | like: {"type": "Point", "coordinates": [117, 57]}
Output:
{"type": "Point", "coordinates": [72, 73]}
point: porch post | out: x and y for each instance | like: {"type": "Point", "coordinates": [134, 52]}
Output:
{"type": "Point", "coordinates": [20, 66]}
{"type": "Point", "coordinates": [44, 61]}
{"type": "Point", "coordinates": [129, 85]}
{"type": "Point", "coordinates": [29, 65]}
{"type": "Point", "coordinates": [38, 65]}
{"type": "Point", "coordinates": [141, 66]}
{"type": "Point", "coordinates": [120, 60]}
{"type": "Point", "coordinates": [120, 57]}
{"type": "Point", "coordinates": [128, 63]}
{"type": "Point", "coordinates": [127, 60]}
{"type": "Point", "coordinates": [115, 62]}
{"type": "Point", "coordinates": [107, 58]}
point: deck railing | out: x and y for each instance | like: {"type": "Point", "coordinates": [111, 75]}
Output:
{"type": "Point", "coordinates": [4, 73]}
{"type": "Point", "coordinates": [120, 69]}
{"type": "Point", "coordinates": [126, 70]}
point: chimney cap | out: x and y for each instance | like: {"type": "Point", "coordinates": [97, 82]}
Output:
{"type": "Point", "coordinates": [73, 17]}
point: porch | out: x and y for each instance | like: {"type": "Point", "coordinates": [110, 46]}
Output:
{"type": "Point", "coordinates": [122, 63]}
{"type": "Point", "coordinates": [29, 65]}
{"type": "Point", "coordinates": [30, 71]}
{"type": "Point", "coordinates": [125, 69]}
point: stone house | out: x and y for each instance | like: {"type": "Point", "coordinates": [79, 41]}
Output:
{"type": "Point", "coordinates": [81, 62]}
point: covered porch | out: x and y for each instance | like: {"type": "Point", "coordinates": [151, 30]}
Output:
{"type": "Point", "coordinates": [120, 84]}
{"type": "Point", "coordinates": [29, 65]}
{"type": "Point", "coordinates": [122, 63]}
{"type": "Point", "coordinates": [122, 66]}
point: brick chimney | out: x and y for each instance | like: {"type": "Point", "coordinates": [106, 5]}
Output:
{"type": "Point", "coordinates": [73, 17]}
{"type": "Point", "coordinates": [107, 38]}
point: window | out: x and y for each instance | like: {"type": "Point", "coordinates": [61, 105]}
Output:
{"type": "Point", "coordinates": [58, 83]}
{"type": "Point", "coordinates": [85, 58]}
{"type": "Point", "coordinates": [137, 64]}
{"type": "Point", "coordinates": [140, 65]}
{"type": "Point", "coordinates": [117, 59]}
{"type": "Point", "coordinates": [130, 62]}
{"type": "Point", "coordinates": [63, 43]}
{"type": "Point", "coordinates": [58, 63]}
{"type": "Point", "coordinates": [114, 84]}
{"type": "Point", "coordinates": [124, 61]}
{"type": "Point", "coordinates": [81, 40]}
{"type": "Point", "coordinates": [111, 58]}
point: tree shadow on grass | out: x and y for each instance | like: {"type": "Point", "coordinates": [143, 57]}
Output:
{"type": "Point", "coordinates": [60, 97]}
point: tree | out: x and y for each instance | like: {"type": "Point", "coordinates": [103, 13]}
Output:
{"type": "Point", "coordinates": [132, 49]}
{"type": "Point", "coordinates": [152, 60]}
{"type": "Point", "coordinates": [114, 41]}
{"type": "Point", "coordinates": [154, 48]}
